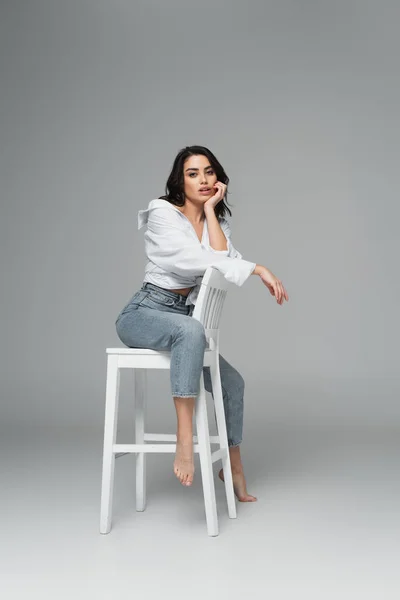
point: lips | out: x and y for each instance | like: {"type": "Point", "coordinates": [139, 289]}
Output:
{"type": "Point", "coordinates": [205, 189]}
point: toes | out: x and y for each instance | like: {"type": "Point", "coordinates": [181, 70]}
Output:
{"type": "Point", "coordinates": [185, 477]}
{"type": "Point", "coordinates": [247, 498]}
{"type": "Point", "coordinates": [179, 474]}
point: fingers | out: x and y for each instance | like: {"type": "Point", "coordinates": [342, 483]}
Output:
{"type": "Point", "coordinates": [280, 292]}
{"type": "Point", "coordinates": [276, 290]}
{"type": "Point", "coordinates": [275, 286]}
{"type": "Point", "coordinates": [221, 188]}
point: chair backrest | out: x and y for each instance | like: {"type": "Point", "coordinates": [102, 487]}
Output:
{"type": "Point", "coordinates": [209, 304]}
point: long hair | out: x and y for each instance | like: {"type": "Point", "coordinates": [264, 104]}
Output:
{"type": "Point", "coordinates": [174, 188]}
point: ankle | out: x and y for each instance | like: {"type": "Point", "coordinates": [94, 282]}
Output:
{"type": "Point", "coordinates": [236, 460]}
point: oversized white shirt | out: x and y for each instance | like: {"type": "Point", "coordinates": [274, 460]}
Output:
{"type": "Point", "coordinates": [176, 257]}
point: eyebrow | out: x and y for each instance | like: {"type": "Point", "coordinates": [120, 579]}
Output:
{"type": "Point", "coordinates": [196, 169]}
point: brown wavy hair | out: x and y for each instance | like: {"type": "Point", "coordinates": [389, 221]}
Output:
{"type": "Point", "coordinates": [174, 188]}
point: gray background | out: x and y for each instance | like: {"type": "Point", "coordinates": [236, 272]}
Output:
{"type": "Point", "coordinates": [299, 101]}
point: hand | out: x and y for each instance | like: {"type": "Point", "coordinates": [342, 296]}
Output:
{"type": "Point", "coordinates": [213, 201]}
{"type": "Point", "coordinates": [274, 285]}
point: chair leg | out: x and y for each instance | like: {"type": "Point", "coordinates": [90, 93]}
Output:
{"type": "Point", "coordinates": [140, 406]}
{"type": "Point", "coordinates": [207, 475]}
{"type": "Point", "coordinates": [223, 437]}
{"type": "Point", "coordinates": [110, 434]}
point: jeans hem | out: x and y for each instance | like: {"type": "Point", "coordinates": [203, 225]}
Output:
{"type": "Point", "coordinates": [230, 445]}
{"type": "Point", "coordinates": [185, 395]}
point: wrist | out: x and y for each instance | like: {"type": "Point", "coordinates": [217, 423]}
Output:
{"type": "Point", "coordinates": [208, 210]}
{"type": "Point", "coordinates": [258, 270]}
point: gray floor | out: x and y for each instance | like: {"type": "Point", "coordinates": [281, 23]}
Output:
{"type": "Point", "coordinates": [326, 524]}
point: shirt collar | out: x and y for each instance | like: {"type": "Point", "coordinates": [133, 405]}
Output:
{"type": "Point", "coordinates": [143, 215]}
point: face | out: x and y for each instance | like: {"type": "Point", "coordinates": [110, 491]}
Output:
{"type": "Point", "coordinates": [198, 173]}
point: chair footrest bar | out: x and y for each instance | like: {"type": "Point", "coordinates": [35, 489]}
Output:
{"type": "Point", "coordinates": [171, 437]}
{"type": "Point", "coordinates": [138, 448]}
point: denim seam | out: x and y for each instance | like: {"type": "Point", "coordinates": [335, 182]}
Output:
{"type": "Point", "coordinates": [180, 395]}
{"type": "Point", "coordinates": [224, 392]}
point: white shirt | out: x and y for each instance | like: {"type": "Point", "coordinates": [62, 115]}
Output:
{"type": "Point", "coordinates": [176, 257]}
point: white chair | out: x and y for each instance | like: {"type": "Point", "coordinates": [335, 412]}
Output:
{"type": "Point", "coordinates": [207, 310]}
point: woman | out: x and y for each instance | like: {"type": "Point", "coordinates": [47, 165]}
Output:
{"type": "Point", "coordinates": [186, 233]}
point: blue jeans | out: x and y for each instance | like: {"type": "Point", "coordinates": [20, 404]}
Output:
{"type": "Point", "coordinates": [159, 319]}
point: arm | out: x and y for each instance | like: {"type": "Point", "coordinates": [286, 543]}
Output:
{"type": "Point", "coordinates": [172, 249]}
{"type": "Point", "coordinates": [215, 233]}
{"type": "Point", "coordinates": [258, 270]}
{"type": "Point", "coordinates": [218, 229]}
{"type": "Point", "coordinates": [232, 252]}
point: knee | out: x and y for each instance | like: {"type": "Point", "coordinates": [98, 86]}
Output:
{"type": "Point", "coordinates": [193, 329]}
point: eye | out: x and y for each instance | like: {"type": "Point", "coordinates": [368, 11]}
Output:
{"type": "Point", "coordinates": [210, 172]}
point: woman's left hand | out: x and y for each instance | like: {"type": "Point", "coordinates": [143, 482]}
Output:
{"type": "Point", "coordinates": [220, 193]}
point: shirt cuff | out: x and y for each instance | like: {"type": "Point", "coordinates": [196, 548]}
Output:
{"type": "Point", "coordinates": [240, 271]}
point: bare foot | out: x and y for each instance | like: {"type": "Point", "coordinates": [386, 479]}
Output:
{"type": "Point", "coordinates": [184, 464]}
{"type": "Point", "coordinates": [239, 486]}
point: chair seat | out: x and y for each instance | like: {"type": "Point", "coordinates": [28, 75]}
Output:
{"type": "Point", "coordinates": [141, 351]}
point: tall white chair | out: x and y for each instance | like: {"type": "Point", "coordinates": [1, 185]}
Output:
{"type": "Point", "coordinates": [208, 311]}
